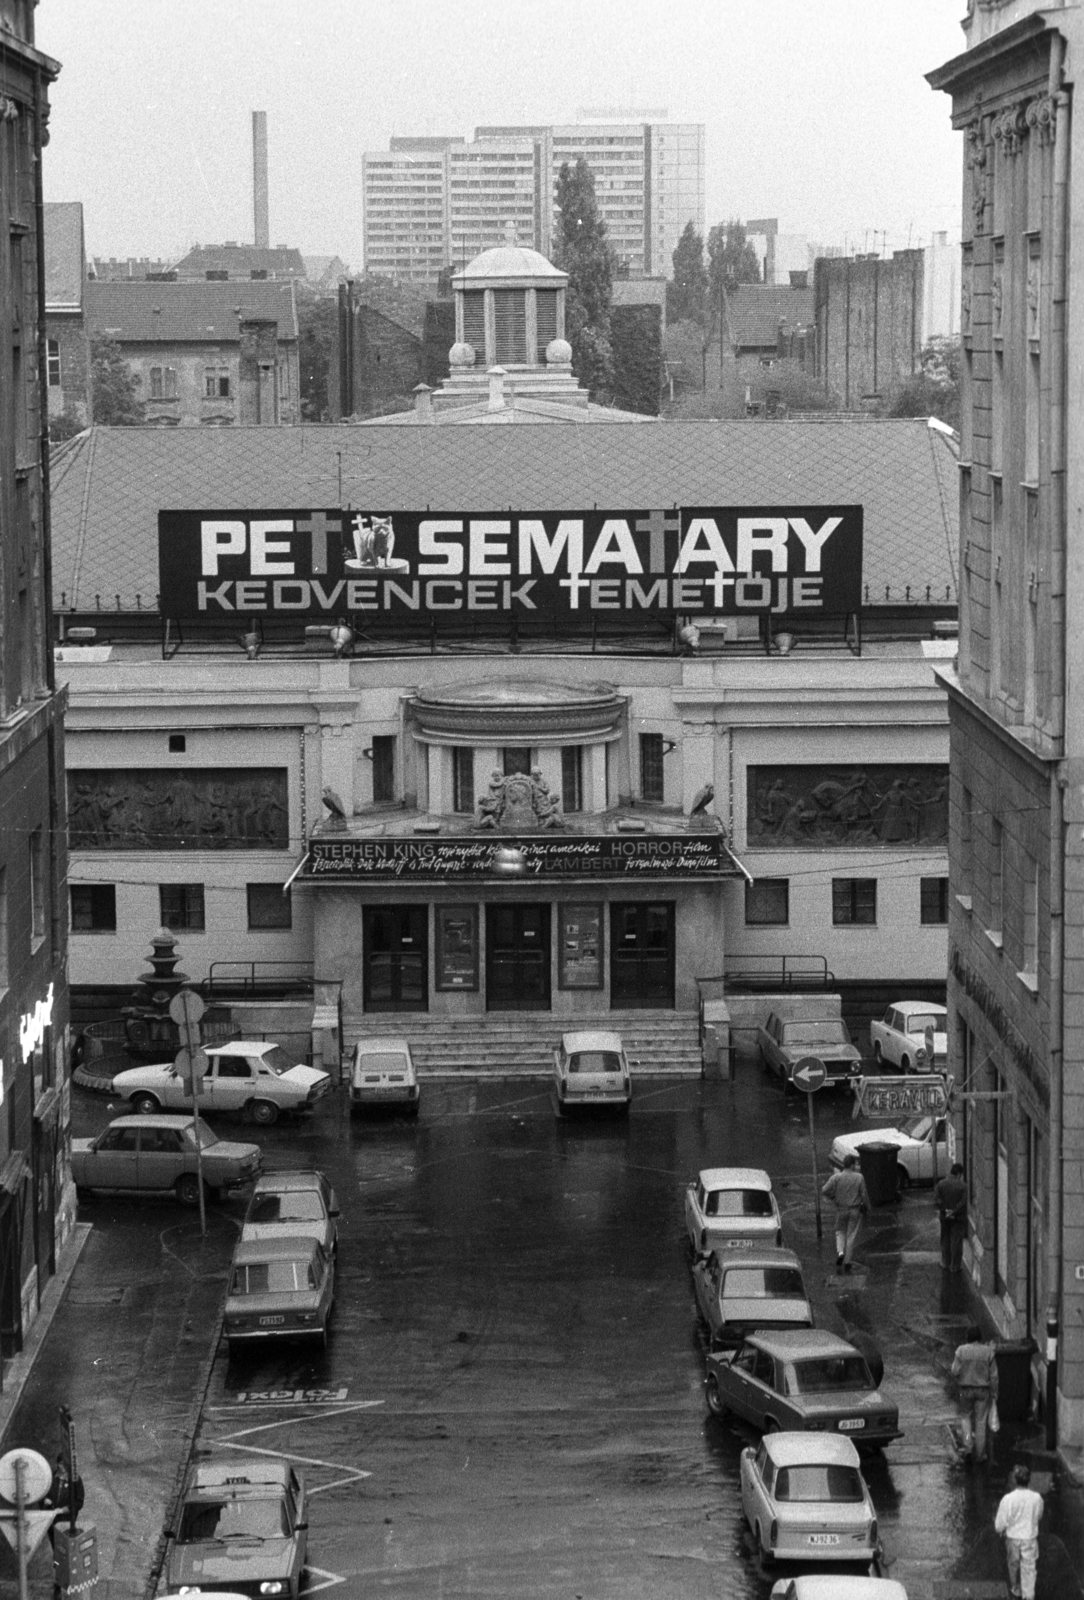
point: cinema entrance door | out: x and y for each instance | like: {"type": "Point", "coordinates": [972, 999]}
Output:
{"type": "Point", "coordinates": [518, 957]}
{"type": "Point", "coordinates": [642, 954]}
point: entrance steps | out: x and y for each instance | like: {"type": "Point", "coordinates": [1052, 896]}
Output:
{"type": "Point", "coordinates": [521, 1043]}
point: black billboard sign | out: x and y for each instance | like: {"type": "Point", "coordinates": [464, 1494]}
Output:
{"type": "Point", "coordinates": [730, 560]}
{"type": "Point", "coordinates": [652, 856]}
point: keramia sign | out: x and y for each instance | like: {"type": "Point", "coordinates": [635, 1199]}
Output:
{"type": "Point", "coordinates": [730, 560]}
{"type": "Point", "coordinates": [579, 855]}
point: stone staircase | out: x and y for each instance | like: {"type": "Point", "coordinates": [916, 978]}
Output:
{"type": "Point", "coordinates": [521, 1043]}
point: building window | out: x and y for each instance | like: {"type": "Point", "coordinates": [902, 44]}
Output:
{"type": "Point", "coordinates": [516, 761]}
{"type": "Point", "coordinates": [37, 886]}
{"type": "Point", "coordinates": [1030, 918]}
{"type": "Point", "coordinates": [94, 908]}
{"type": "Point", "coordinates": [933, 900]}
{"type": "Point", "coordinates": [163, 383]}
{"type": "Point", "coordinates": [854, 900]}
{"type": "Point", "coordinates": [268, 906]}
{"type": "Point", "coordinates": [177, 744]}
{"type": "Point", "coordinates": [3, 930]}
{"type": "Point", "coordinates": [384, 769]}
{"type": "Point", "coordinates": [997, 878]}
{"type": "Point", "coordinates": [572, 777]}
{"type": "Point", "coordinates": [767, 903]}
{"type": "Point", "coordinates": [651, 774]}
{"type": "Point", "coordinates": [52, 362]}
{"type": "Point", "coordinates": [181, 907]}
{"type": "Point", "coordinates": [463, 780]}
{"type": "Point", "coordinates": [216, 383]}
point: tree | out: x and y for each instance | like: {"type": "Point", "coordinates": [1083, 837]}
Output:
{"type": "Point", "coordinates": [731, 260]}
{"type": "Point", "coordinates": [687, 292]}
{"type": "Point", "coordinates": [934, 390]}
{"type": "Point", "coordinates": [116, 400]}
{"type": "Point", "coordinates": [65, 426]}
{"type": "Point", "coordinates": [636, 337]}
{"type": "Point", "coordinates": [317, 347]}
{"type": "Point", "coordinates": [583, 253]}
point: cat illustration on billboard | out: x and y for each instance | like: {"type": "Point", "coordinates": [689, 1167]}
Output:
{"type": "Point", "coordinates": [373, 544]}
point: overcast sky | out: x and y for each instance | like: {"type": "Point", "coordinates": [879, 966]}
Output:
{"type": "Point", "coordinates": [816, 111]}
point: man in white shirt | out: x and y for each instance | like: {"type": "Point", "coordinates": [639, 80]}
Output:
{"type": "Point", "coordinates": [1017, 1520]}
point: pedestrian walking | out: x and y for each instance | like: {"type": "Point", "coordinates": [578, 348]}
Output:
{"type": "Point", "coordinates": [950, 1198]}
{"type": "Point", "coordinates": [1017, 1520]}
{"type": "Point", "coordinates": [847, 1190]}
{"type": "Point", "coordinates": [974, 1366]}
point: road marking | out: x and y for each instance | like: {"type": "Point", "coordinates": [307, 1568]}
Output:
{"type": "Point", "coordinates": [349, 1474]}
{"type": "Point", "coordinates": [285, 1397]}
{"type": "Point", "coordinates": [330, 1580]}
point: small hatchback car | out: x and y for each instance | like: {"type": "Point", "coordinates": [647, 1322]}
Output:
{"type": "Point", "coordinates": [285, 1203]}
{"type": "Point", "coordinates": [591, 1069]}
{"type": "Point", "coordinates": [279, 1289]}
{"type": "Point", "coordinates": [739, 1290]}
{"type": "Point", "coordinates": [382, 1074]}
{"type": "Point", "coordinates": [837, 1586]}
{"type": "Point", "coordinates": [805, 1499]}
{"type": "Point", "coordinates": [159, 1154]}
{"type": "Point", "coordinates": [242, 1528]}
{"type": "Point", "coordinates": [727, 1203]}
{"type": "Point", "coordinates": [802, 1380]}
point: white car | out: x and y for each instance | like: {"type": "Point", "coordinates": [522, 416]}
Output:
{"type": "Point", "coordinates": [731, 1203]}
{"type": "Point", "coordinates": [832, 1586]}
{"type": "Point", "coordinates": [900, 1039]}
{"type": "Point", "coordinates": [916, 1150]}
{"type": "Point", "coordinates": [805, 1499]}
{"type": "Point", "coordinates": [382, 1073]}
{"type": "Point", "coordinates": [247, 1075]}
{"type": "Point", "coordinates": [591, 1069]}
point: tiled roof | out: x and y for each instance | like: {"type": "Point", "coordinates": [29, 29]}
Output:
{"type": "Point", "coordinates": [240, 260]}
{"type": "Point", "coordinates": [138, 312]}
{"type": "Point", "coordinates": [64, 266]}
{"type": "Point", "coordinates": [108, 484]}
{"type": "Point", "coordinates": [755, 310]}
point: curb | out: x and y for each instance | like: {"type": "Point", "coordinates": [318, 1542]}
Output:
{"type": "Point", "coordinates": [21, 1366]}
{"type": "Point", "coordinates": [90, 1080]}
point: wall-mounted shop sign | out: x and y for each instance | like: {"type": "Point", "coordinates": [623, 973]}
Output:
{"type": "Point", "coordinates": [582, 855]}
{"type": "Point", "coordinates": [889, 1098]}
{"type": "Point", "coordinates": [801, 560]}
{"type": "Point", "coordinates": [32, 1025]}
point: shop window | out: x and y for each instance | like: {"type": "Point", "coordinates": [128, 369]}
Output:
{"type": "Point", "coordinates": [572, 777]}
{"type": "Point", "coordinates": [933, 900]}
{"type": "Point", "coordinates": [383, 769]}
{"type": "Point", "coordinates": [37, 886]}
{"type": "Point", "coordinates": [651, 774]}
{"type": "Point", "coordinates": [854, 900]}
{"type": "Point", "coordinates": [94, 908]}
{"type": "Point", "coordinates": [52, 362]}
{"type": "Point", "coordinates": [181, 907]}
{"type": "Point", "coordinates": [463, 780]}
{"type": "Point", "coordinates": [767, 903]}
{"type": "Point", "coordinates": [268, 906]}
{"type": "Point", "coordinates": [516, 761]}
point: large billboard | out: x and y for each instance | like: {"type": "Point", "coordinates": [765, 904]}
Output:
{"type": "Point", "coordinates": [653, 856]}
{"type": "Point", "coordinates": [729, 560]}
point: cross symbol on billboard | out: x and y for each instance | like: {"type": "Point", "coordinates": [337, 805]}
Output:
{"type": "Point", "coordinates": [658, 524]}
{"type": "Point", "coordinates": [319, 525]}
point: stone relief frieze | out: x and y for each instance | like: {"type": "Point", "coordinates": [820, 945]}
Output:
{"type": "Point", "coordinates": [519, 803]}
{"type": "Point", "coordinates": [814, 806]}
{"type": "Point", "coordinates": [159, 808]}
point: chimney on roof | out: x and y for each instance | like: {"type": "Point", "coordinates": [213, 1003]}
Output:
{"type": "Point", "coordinates": [496, 388]}
{"type": "Point", "coordinates": [262, 228]}
{"type": "Point", "coordinates": [423, 401]}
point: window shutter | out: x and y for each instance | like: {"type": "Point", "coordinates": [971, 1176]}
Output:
{"type": "Point", "coordinates": [510, 306]}
{"type": "Point", "coordinates": [546, 301]}
{"type": "Point", "coordinates": [474, 323]}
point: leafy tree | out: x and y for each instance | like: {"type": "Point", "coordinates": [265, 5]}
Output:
{"type": "Point", "coordinates": [65, 426]}
{"type": "Point", "coordinates": [636, 336]}
{"type": "Point", "coordinates": [582, 252]}
{"type": "Point", "coordinates": [317, 347]}
{"type": "Point", "coordinates": [686, 293]}
{"type": "Point", "coordinates": [684, 351]}
{"type": "Point", "coordinates": [116, 400]}
{"type": "Point", "coordinates": [731, 260]}
{"type": "Point", "coordinates": [934, 390]}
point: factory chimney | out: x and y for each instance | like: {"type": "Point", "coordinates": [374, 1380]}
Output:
{"type": "Point", "coordinates": [259, 180]}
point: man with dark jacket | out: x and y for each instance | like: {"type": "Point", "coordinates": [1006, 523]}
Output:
{"type": "Point", "coordinates": [950, 1198]}
{"type": "Point", "coordinates": [847, 1188]}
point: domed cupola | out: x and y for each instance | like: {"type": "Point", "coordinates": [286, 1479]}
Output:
{"type": "Point", "coordinates": [509, 309]}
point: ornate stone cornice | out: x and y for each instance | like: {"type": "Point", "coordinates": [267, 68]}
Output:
{"type": "Point", "coordinates": [517, 714]}
{"type": "Point", "coordinates": [1041, 115]}
{"type": "Point", "coordinates": [1009, 128]}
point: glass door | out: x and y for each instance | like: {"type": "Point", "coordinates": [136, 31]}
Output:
{"type": "Point", "coordinates": [642, 955]}
{"type": "Point", "coordinates": [518, 958]}
{"type": "Point", "coordinates": [396, 958]}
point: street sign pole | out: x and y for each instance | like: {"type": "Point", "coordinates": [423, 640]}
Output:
{"type": "Point", "coordinates": [20, 1524]}
{"type": "Point", "coordinates": [186, 1008]}
{"type": "Point", "coordinates": [809, 1075]}
{"type": "Point", "coordinates": [816, 1175]}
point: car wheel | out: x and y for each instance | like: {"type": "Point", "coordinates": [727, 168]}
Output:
{"type": "Point", "coordinates": [905, 1063]}
{"type": "Point", "coordinates": [770, 1425]}
{"type": "Point", "coordinates": [146, 1104]}
{"type": "Point", "coordinates": [766, 1555]}
{"type": "Point", "coordinates": [187, 1189]}
{"type": "Point", "coordinates": [903, 1178]}
{"type": "Point", "coordinates": [716, 1404]}
{"type": "Point", "coordinates": [265, 1112]}
{"type": "Point", "coordinates": [878, 1054]}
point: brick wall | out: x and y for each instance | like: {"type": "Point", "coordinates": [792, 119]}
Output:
{"type": "Point", "coordinates": [868, 323]}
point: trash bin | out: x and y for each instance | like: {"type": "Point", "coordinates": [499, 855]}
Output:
{"type": "Point", "coordinates": [1014, 1378]}
{"type": "Point", "coordinates": [879, 1168]}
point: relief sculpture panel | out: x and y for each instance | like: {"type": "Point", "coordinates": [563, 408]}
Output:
{"type": "Point", "coordinates": [821, 805]}
{"type": "Point", "coordinates": [163, 808]}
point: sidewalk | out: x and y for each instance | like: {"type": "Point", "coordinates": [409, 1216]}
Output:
{"type": "Point", "coordinates": [126, 1339]}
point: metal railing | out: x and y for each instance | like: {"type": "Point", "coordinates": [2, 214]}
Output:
{"type": "Point", "coordinates": [773, 973]}
{"type": "Point", "coordinates": [266, 979]}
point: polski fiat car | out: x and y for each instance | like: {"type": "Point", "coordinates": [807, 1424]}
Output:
{"type": "Point", "coordinates": [801, 1380]}
{"type": "Point", "coordinates": [279, 1289]}
{"type": "Point", "coordinates": [242, 1528]}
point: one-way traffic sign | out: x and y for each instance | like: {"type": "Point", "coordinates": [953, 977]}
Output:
{"type": "Point", "coordinates": [810, 1073]}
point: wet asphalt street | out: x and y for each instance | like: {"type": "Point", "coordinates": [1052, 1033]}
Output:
{"type": "Point", "coordinates": [511, 1401]}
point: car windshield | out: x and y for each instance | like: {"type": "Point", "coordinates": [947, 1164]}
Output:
{"type": "Point", "coordinates": [764, 1283]}
{"type": "Point", "coordinates": [830, 1032]}
{"type": "Point", "coordinates": [292, 1205]}
{"type": "Point", "coordinates": [840, 1485]}
{"type": "Point", "coordinates": [923, 1020]}
{"type": "Point", "coordinates": [738, 1203]}
{"type": "Point", "coordinates": [206, 1137]}
{"type": "Point", "coordinates": [826, 1373]}
{"type": "Point", "coordinates": [277, 1059]}
{"type": "Point", "coordinates": [232, 1519]}
{"type": "Point", "coordinates": [917, 1128]}
{"type": "Point", "coordinates": [595, 1061]}
{"type": "Point", "coordinates": [384, 1061]}
{"type": "Point", "coordinates": [273, 1277]}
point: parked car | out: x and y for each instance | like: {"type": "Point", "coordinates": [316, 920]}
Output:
{"type": "Point", "coordinates": [382, 1074]}
{"type": "Point", "coordinates": [805, 1499]}
{"type": "Point", "coordinates": [159, 1154]}
{"type": "Point", "coordinates": [915, 1148]}
{"type": "Point", "coordinates": [836, 1586]}
{"type": "Point", "coordinates": [242, 1527]}
{"type": "Point", "coordinates": [591, 1069]}
{"type": "Point", "coordinates": [728, 1203]}
{"type": "Point", "coordinates": [801, 1380]}
{"type": "Point", "coordinates": [279, 1289]}
{"type": "Point", "coordinates": [785, 1040]}
{"type": "Point", "coordinates": [900, 1039]}
{"type": "Point", "coordinates": [246, 1075]}
{"type": "Point", "coordinates": [738, 1290]}
{"type": "Point", "coordinates": [293, 1203]}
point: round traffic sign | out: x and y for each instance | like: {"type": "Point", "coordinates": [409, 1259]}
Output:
{"type": "Point", "coordinates": [37, 1475]}
{"type": "Point", "coordinates": [809, 1073]}
{"type": "Point", "coordinates": [188, 1062]}
{"type": "Point", "coordinates": [186, 1007]}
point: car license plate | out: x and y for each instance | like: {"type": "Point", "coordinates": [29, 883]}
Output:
{"type": "Point", "coordinates": [824, 1538]}
{"type": "Point", "coordinates": [853, 1423]}
{"type": "Point", "coordinates": [271, 1322]}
